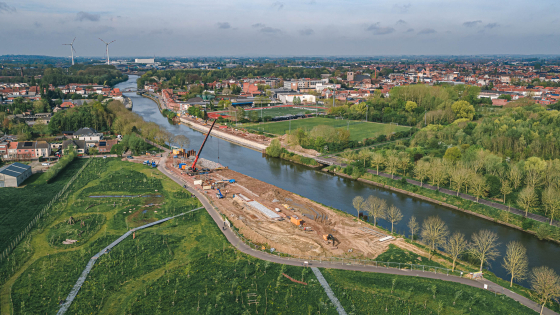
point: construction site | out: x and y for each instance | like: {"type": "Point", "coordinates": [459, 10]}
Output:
{"type": "Point", "coordinates": [276, 219]}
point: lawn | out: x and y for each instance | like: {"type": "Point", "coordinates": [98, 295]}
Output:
{"type": "Point", "coordinates": [283, 111]}
{"type": "Point", "coordinates": [21, 205]}
{"type": "Point", "coordinates": [373, 293]}
{"type": "Point", "coordinates": [358, 130]}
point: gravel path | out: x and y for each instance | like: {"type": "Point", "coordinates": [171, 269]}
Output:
{"type": "Point", "coordinates": [328, 291]}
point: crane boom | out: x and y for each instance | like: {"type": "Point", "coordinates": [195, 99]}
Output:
{"type": "Point", "coordinates": [193, 167]}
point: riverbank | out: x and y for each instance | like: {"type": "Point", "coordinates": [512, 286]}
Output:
{"type": "Point", "coordinates": [500, 216]}
{"type": "Point", "coordinates": [226, 136]}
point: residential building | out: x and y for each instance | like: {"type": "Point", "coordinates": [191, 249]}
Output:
{"type": "Point", "coordinates": [42, 149]}
{"type": "Point", "coordinates": [4, 149]}
{"type": "Point", "coordinates": [79, 145]}
{"type": "Point", "coordinates": [104, 146]}
{"type": "Point", "coordinates": [88, 134]}
{"type": "Point", "coordinates": [12, 175]}
{"type": "Point", "coordinates": [26, 150]}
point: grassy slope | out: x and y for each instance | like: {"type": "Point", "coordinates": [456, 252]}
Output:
{"type": "Point", "coordinates": [358, 130]}
{"type": "Point", "coordinates": [20, 205]}
{"type": "Point", "coordinates": [185, 265]}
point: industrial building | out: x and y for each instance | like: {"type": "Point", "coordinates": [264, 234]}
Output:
{"type": "Point", "coordinates": [13, 175]}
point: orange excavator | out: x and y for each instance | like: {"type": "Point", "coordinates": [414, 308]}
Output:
{"type": "Point", "coordinates": [330, 237]}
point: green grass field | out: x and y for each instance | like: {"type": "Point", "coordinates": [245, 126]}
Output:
{"type": "Point", "coordinates": [186, 265]}
{"type": "Point", "coordinates": [358, 130]}
{"type": "Point", "coordinates": [282, 111]}
{"type": "Point", "coordinates": [20, 205]}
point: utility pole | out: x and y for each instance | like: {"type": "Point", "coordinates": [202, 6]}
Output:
{"type": "Point", "coordinates": [425, 118]}
{"type": "Point", "coordinates": [367, 110]}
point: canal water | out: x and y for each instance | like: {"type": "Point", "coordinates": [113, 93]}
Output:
{"type": "Point", "coordinates": [338, 192]}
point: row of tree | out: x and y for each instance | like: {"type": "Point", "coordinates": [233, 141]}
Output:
{"type": "Point", "coordinates": [483, 246]}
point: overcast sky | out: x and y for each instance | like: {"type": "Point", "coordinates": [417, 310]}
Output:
{"type": "Point", "coordinates": [280, 28]}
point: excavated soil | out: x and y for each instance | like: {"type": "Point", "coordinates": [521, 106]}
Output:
{"type": "Point", "coordinates": [353, 239]}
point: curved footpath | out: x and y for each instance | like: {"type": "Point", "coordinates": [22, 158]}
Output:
{"type": "Point", "coordinates": [241, 246]}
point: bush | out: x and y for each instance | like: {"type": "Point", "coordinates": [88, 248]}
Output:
{"type": "Point", "coordinates": [275, 148]}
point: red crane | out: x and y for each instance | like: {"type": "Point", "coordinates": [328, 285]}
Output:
{"type": "Point", "coordinates": [193, 167]}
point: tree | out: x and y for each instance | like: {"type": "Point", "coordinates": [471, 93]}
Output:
{"type": "Point", "coordinates": [253, 115]}
{"type": "Point", "coordinates": [364, 155]}
{"type": "Point", "coordinates": [413, 226]}
{"type": "Point", "coordinates": [240, 114]}
{"type": "Point", "coordinates": [484, 246]}
{"type": "Point", "coordinates": [392, 163]}
{"type": "Point", "coordinates": [410, 106]}
{"type": "Point", "coordinates": [358, 203]}
{"type": "Point", "coordinates": [456, 246]}
{"type": "Point", "coordinates": [479, 186]}
{"type": "Point", "coordinates": [376, 208]}
{"type": "Point", "coordinates": [39, 106]}
{"type": "Point", "coordinates": [452, 154]}
{"type": "Point", "coordinates": [463, 109]}
{"type": "Point", "coordinates": [438, 172]}
{"type": "Point", "coordinates": [546, 283]}
{"type": "Point", "coordinates": [551, 201]}
{"type": "Point", "coordinates": [534, 168]}
{"type": "Point", "coordinates": [421, 170]}
{"type": "Point", "coordinates": [275, 148]}
{"type": "Point", "coordinates": [377, 160]}
{"type": "Point", "coordinates": [515, 176]}
{"type": "Point", "coordinates": [459, 177]}
{"type": "Point", "coordinates": [404, 161]}
{"type": "Point", "coordinates": [182, 141]}
{"type": "Point", "coordinates": [393, 215]}
{"type": "Point", "coordinates": [434, 232]}
{"type": "Point", "coordinates": [506, 188]}
{"type": "Point", "coordinates": [527, 198]}
{"type": "Point", "coordinates": [516, 261]}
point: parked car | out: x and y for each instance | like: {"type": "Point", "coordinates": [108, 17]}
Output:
{"type": "Point", "coordinates": [104, 156]}
{"type": "Point", "coordinates": [129, 157]}
{"type": "Point", "coordinates": [45, 163]}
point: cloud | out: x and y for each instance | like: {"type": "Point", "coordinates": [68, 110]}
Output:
{"type": "Point", "coordinates": [278, 5]}
{"type": "Point", "coordinates": [471, 23]}
{"type": "Point", "coordinates": [378, 30]}
{"type": "Point", "coordinates": [427, 31]}
{"type": "Point", "coordinates": [410, 30]}
{"type": "Point", "coordinates": [491, 25]}
{"type": "Point", "coordinates": [401, 22]}
{"type": "Point", "coordinates": [271, 30]}
{"type": "Point", "coordinates": [163, 31]}
{"type": "Point", "coordinates": [402, 8]}
{"type": "Point", "coordinates": [37, 24]}
{"type": "Point", "coordinates": [266, 29]}
{"type": "Point", "coordinates": [306, 32]}
{"type": "Point", "coordinates": [224, 25]}
{"type": "Point", "coordinates": [5, 8]}
{"type": "Point", "coordinates": [85, 16]}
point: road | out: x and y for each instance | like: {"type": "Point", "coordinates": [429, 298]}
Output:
{"type": "Point", "coordinates": [241, 246]}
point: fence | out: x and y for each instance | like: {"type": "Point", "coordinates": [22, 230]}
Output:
{"type": "Point", "coordinates": [33, 222]}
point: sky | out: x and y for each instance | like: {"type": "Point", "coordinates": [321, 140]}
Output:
{"type": "Point", "coordinates": [280, 27]}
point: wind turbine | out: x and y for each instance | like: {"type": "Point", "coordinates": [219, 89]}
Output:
{"type": "Point", "coordinates": [107, 48]}
{"type": "Point", "coordinates": [71, 49]}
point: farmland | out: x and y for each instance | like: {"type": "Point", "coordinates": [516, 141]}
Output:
{"type": "Point", "coordinates": [358, 130]}
{"type": "Point", "coordinates": [185, 265]}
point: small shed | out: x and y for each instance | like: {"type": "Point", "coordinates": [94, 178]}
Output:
{"type": "Point", "coordinates": [12, 175]}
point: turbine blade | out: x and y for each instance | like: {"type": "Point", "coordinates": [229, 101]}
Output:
{"type": "Point", "coordinates": [73, 40]}
{"type": "Point", "coordinates": [102, 40]}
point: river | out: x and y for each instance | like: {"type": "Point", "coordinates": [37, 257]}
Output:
{"type": "Point", "coordinates": [338, 192]}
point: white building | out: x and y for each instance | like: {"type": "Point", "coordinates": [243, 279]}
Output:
{"type": "Point", "coordinates": [146, 61]}
{"type": "Point", "coordinates": [289, 98]}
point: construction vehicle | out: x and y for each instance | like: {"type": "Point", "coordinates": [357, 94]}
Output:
{"type": "Point", "coordinates": [154, 164]}
{"type": "Point", "coordinates": [193, 170]}
{"type": "Point", "coordinates": [147, 162]}
{"type": "Point", "coordinates": [219, 194]}
{"type": "Point", "coordinates": [295, 220]}
{"type": "Point", "coordinates": [329, 237]}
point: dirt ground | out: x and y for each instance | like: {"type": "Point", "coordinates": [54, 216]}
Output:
{"type": "Point", "coordinates": [352, 238]}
